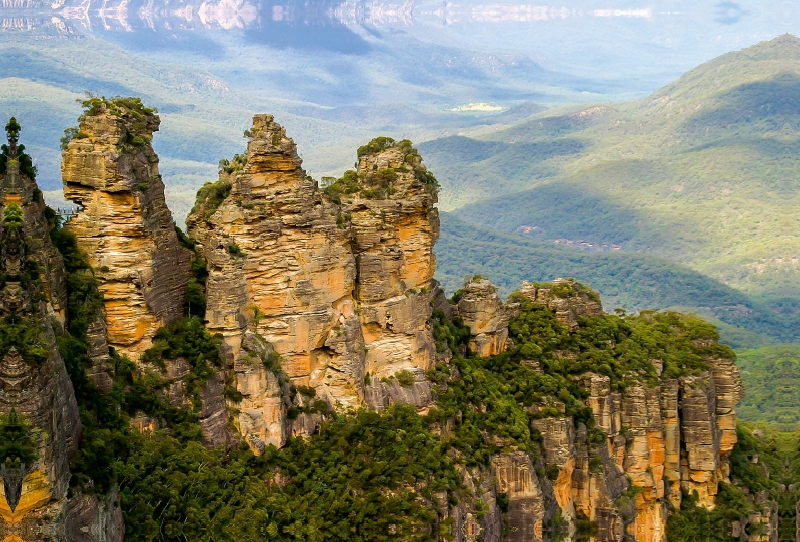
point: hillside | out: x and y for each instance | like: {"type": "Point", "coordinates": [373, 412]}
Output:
{"type": "Point", "coordinates": [207, 84]}
{"type": "Point", "coordinates": [771, 376]}
{"type": "Point", "coordinates": [634, 281]}
{"type": "Point", "coordinates": [288, 369]}
{"type": "Point", "coordinates": [701, 173]}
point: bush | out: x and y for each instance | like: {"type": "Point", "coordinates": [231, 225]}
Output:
{"type": "Point", "coordinates": [211, 196]}
{"type": "Point", "coordinates": [405, 378]}
{"type": "Point", "coordinates": [375, 146]}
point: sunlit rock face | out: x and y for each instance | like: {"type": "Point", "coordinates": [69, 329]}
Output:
{"type": "Point", "coordinates": [111, 171]}
{"type": "Point", "coordinates": [38, 410]}
{"type": "Point", "coordinates": [394, 227]}
{"type": "Point", "coordinates": [280, 266]}
{"type": "Point", "coordinates": [487, 317]}
{"type": "Point", "coordinates": [661, 438]}
{"type": "Point", "coordinates": [339, 286]}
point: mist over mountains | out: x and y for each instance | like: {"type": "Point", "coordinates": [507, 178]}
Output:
{"type": "Point", "coordinates": [340, 73]}
{"type": "Point", "coordinates": [464, 77]}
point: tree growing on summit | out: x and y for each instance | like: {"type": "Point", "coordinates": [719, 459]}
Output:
{"type": "Point", "coordinates": [13, 129]}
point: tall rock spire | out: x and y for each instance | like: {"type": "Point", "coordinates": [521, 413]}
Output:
{"type": "Point", "coordinates": [339, 285]}
{"type": "Point", "coordinates": [111, 171]}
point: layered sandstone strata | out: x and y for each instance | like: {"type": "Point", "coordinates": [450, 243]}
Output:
{"type": "Point", "coordinates": [339, 286]}
{"type": "Point", "coordinates": [37, 400]}
{"type": "Point", "coordinates": [394, 227]}
{"type": "Point", "coordinates": [487, 317]}
{"type": "Point", "coordinates": [111, 171]}
{"type": "Point", "coordinates": [660, 440]}
{"type": "Point", "coordinates": [280, 266]}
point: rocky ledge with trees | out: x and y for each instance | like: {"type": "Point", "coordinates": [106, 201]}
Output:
{"type": "Point", "coordinates": [289, 369]}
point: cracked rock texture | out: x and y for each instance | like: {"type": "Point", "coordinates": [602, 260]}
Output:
{"type": "Point", "coordinates": [125, 226]}
{"type": "Point", "coordinates": [487, 317]}
{"type": "Point", "coordinates": [660, 439]}
{"type": "Point", "coordinates": [35, 499]}
{"type": "Point", "coordinates": [340, 289]}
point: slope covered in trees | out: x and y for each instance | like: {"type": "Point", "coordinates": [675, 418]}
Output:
{"type": "Point", "coordinates": [702, 173]}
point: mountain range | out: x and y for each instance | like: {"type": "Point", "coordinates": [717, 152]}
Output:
{"type": "Point", "coordinates": [700, 178]}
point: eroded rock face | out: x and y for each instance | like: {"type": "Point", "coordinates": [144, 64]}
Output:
{"type": "Point", "coordinates": [393, 238]}
{"type": "Point", "coordinates": [281, 266]}
{"type": "Point", "coordinates": [260, 416]}
{"type": "Point", "coordinates": [487, 317]}
{"type": "Point", "coordinates": [37, 400]}
{"type": "Point", "coordinates": [516, 478]}
{"type": "Point", "coordinates": [339, 287]}
{"type": "Point", "coordinates": [661, 438]}
{"type": "Point", "coordinates": [124, 226]}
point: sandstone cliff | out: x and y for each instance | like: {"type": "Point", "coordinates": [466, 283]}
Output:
{"type": "Point", "coordinates": [486, 315]}
{"type": "Point", "coordinates": [340, 286]}
{"type": "Point", "coordinates": [110, 171]}
{"type": "Point", "coordinates": [333, 288]}
{"type": "Point", "coordinates": [661, 438]}
{"type": "Point", "coordinates": [324, 298]}
{"type": "Point", "coordinates": [40, 425]}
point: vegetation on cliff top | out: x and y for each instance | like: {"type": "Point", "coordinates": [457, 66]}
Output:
{"type": "Point", "coordinates": [119, 106]}
{"type": "Point", "coordinates": [379, 183]}
{"type": "Point", "coordinates": [139, 119]}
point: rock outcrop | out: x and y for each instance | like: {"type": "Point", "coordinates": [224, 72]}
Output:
{"type": "Point", "coordinates": [110, 170]}
{"type": "Point", "coordinates": [394, 228]}
{"type": "Point", "coordinates": [338, 283]}
{"type": "Point", "coordinates": [486, 315]}
{"type": "Point", "coordinates": [333, 288]}
{"type": "Point", "coordinates": [280, 266]}
{"type": "Point", "coordinates": [325, 299]}
{"type": "Point", "coordinates": [660, 440]}
{"type": "Point", "coordinates": [40, 424]}
{"type": "Point", "coordinates": [566, 299]}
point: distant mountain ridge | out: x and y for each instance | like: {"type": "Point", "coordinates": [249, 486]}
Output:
{"type": "Point", "coordinates": [703, 173]}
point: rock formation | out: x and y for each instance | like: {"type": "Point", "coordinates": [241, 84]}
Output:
{"type": "Point", "coordinates": [325, 299]}
{"type": "Point", "coordinates": [338, 284]}
{"type": "Point", "coordinates": [659, 440]}
{"type": "Point", "coordinates": [37, 401]}
{"type": "Point", "coordinates": [566, 299]}
{"type": "Point", "coordinates": [486, 315]}
{"type": "Point", "coordinates": [333, 287]}
{"type": "Point", "coordinates": [111, 171]}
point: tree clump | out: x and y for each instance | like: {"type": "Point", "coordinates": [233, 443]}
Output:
{"type": "Point", "coordinates": [24, 160]}
{"type": "Point", "coordinates": [17, 443]}
{"type": "Point", "coordinates": [379, 183]}
{"type": "Point", "coordinates": [211, 196]}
